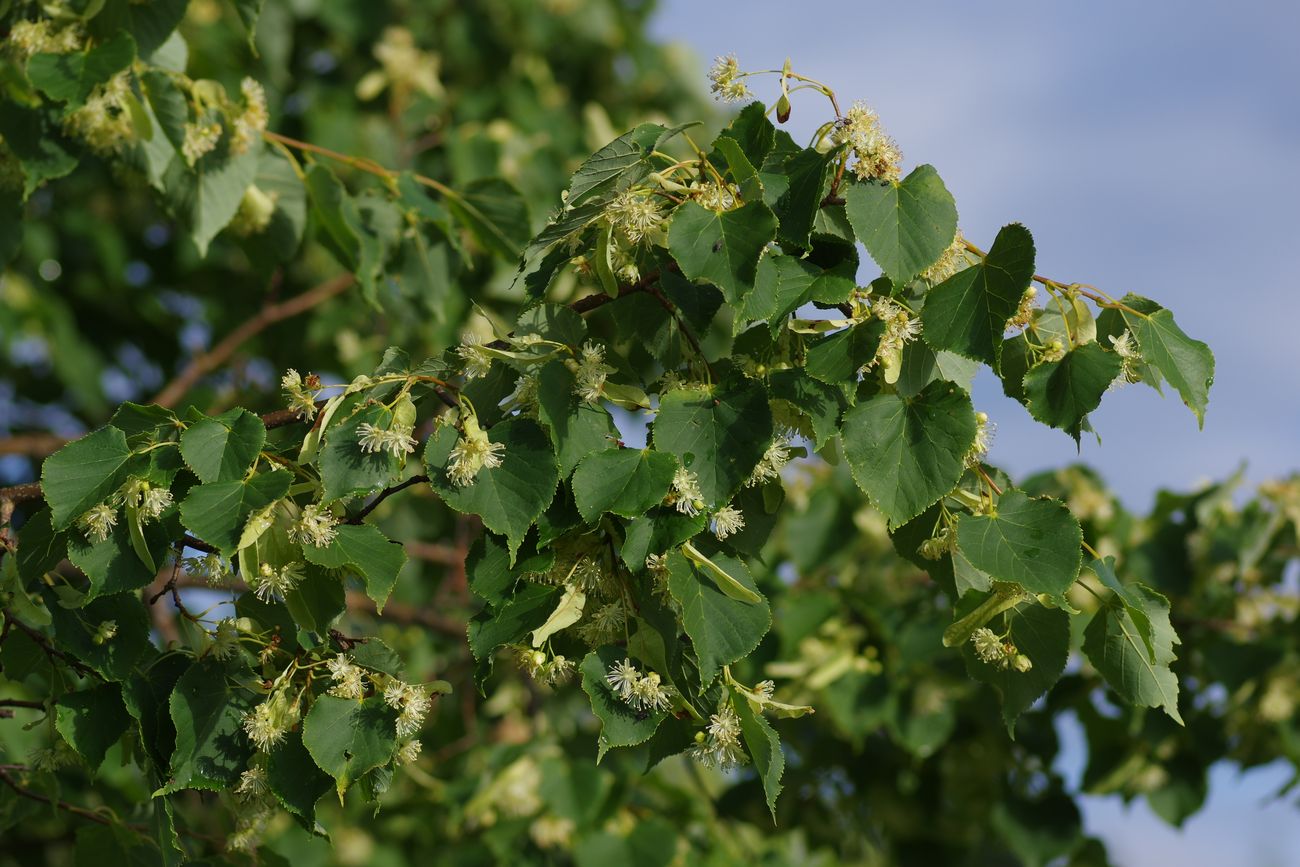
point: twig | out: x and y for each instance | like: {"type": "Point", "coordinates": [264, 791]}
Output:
{"type": "Point", "coordinates": [54, 802]}
{"type": "Point", "coordinates": [681, 323]}
{"type": "Point", "coordinates": [18, 702]}
{"type": "Point", "coordinates": [432, 551]}
{"type": "Point", "coordinates": [385, 494]}
{"type": "Point", "coordinates": [263, 319]}
{"type": "Point", "coordinates": [51, 651]}
{"type": "Point", "coordinates": [33, 445]}
{"type": "Point", "coordinates": [992, 484]}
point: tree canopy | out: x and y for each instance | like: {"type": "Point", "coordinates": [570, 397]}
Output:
{"type": "Point", "coordinates": [433, 437]}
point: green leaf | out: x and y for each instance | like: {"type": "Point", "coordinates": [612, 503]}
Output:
{"type": "Point", "coordinates": [152, 25]}
{"type": "Point", "coordinates": [735, 162]}
{"type": "Point", "coordinates": [217, 512]}
{"type": "Point", "coordinates": [797, 207]}
{"type": "Point", "coordinates": [113, 565]}
{"type": "Point", "coordinates": [617, 165]}
{"type": "Point", "coordinates": [723, 630]}
{"type": "Point", "coordinates": [577, 428]}
{"type": "Point", "coordinates": [968, 313]}
{"type": "Point", "coordinates": [1061, 393]}
{"type": "Point", "coordinates": [621, 725]}
{"type": "Point", "coordinates": [1043, 635]}
{"type": "Point", "coordinates": [92, 720]}
{"type": "Point", "coordinates": [625, 482]}
{"type": "Point", "coordinates": [222, 448]}
{"type": "Point", "coordinates": [509, 623]}
{"type": "Point", "coordinates": [71, 77]}
{"type": "Point", "coordinates": [720, 434]}
{"type": "Point", "coordinates": [508, 498]}
{"type": "Point", "coordinates": [495, 213]}
{"type": "Point", "coordinates": [373, 555]}
{"type": "Point", "coordinates": [906, 453]}
{"type": "Point", "coordinates": [657, 531]}
{"type": "Point", "coordinates": [1151, 620]}
{"type": "Point", "coordinates": [295, 780]}
{"type": "Point", "coordinates": [1188, 364]}
{"type": "Point", "coordinates": [488, 568]}
{"type": "Point", "coordinates": [1031, 541]}
{"type": "Point", "coordinates": [40, 548]}
{"type": "Point", "coordinates": [249, 11]}
{"type": "Point", "coordinates": [375, 655]}
{"type": "Point", "coordinates": [1113, 642]}
{"type": "Point", "coordinates": [343, 227]}
{"type": "Point", "coordinates": [207, 197]}
{"type": "Point", "coordinates": [820, 403]}
{"type": "Point", "coordinates": [317, 601]}
{"type": "Point", "coordinates": [115, 659]}
{"type": "Point", "coordinates": [35, 137]}
{"type": "Point", "coordinates": [836, 359]}
{"type": "Point", "coordinates": [722, 247]}
{"type": "Point", "coordinates": [345, 469]}
{"type": "Point", "coordinates": [347, 738]}
{"type": "Point", "coordinates": [753, 132]}
{"type": "Point", "coordinates": [922, 365]}
{"type": "Point", "coordinates": [764, 746]}
{"type": "Point", "coordinates": [83, 474]}
{"type": "Point", "coordinates": [652, 842]}
{"type": "Point", "coordinates": [212, 749]}
{"type": "Point", "coordinates": [553, 322]}
{"type": "Point", "coordinates": [280, 241]}
{"type": "Point", "coordinates": [781, 286]}
{"type": "Point", "coordinates": [905, 225]}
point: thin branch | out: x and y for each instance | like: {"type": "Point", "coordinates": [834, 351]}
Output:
{"type": "Point", "coordinates": [50, 650]}
{"type": "Point", "coordinates": [433, 552]}
{"type": "Point", "coordinates": [263, 319]}
{"type": "Point", "coordinates": [384, 495]}
{"type": "Point", "coordinates": [682, 324]}
{"type": "Point", "coordinates": [18, 702]}
{"type": "Point", "coordinates": [361, 163]}
{"type": "Point", "coordinates": [54, 802]}
{"type": "Point", "coordinates": [32, 445]}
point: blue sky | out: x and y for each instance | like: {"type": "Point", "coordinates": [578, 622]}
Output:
{"type": "Point", "coordinates": [1151, 147]}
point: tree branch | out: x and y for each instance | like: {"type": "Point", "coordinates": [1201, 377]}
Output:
{"type": "Point", "coordinates": [50, 650]}
{"type": "Point", "coordinates": [54, 802]}
{"type": "Point", "coordinates": [218, 355]}
{"type": "Point", "coordinates": [32, 445]}
{"type": "Point", "coordinates": [384, 495]}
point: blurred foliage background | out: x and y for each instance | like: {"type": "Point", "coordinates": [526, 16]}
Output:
{"type": "Point", "coordinates": [907, 760]}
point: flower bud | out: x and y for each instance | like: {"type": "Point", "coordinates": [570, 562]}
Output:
{"type": "Point", "coordinates": [783, 109]}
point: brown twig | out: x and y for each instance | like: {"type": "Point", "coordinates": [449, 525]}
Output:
{"type": "Point", "coordinates": [54, 802]}
{"type": "Point", "coordinates": [432, 551]}
{"type": "Point", "coordinates": [18, 702]}
{"type": "Point", "coordinates": [33, 445]}
{"type": "Point", "coordinates": [385, 494]}
{"type": "Point", "coordinates": [50, 650]}
{"type": "Point", "coordinates": [209, 361]}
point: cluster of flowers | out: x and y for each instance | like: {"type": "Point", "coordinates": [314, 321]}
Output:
{"type": "Point", "coordinates": [550, 670]}
{"type": "Point", "coordinates": [589, 373]}
{"type": "Point", "coordinates": [1130, 357]}
{"type": "Point", "coordinates": [635, 214]}
{"type": "Point", "coordinates": [727, 81]}
{"type": "Point", "coordinates": [137, 495]}
{"type": "Point", "coordinates": [901, 328]}
{"type": "Point", "coordinates": [644, 692]}
{"type": "Point", "coordinates": [247, 122]}
{"type": "Point", "coordinates": [876, 155]}
{"type": "Point", "coordinates": [995, 650]}
{"type": "Point", "coordinates": [718, 746]}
